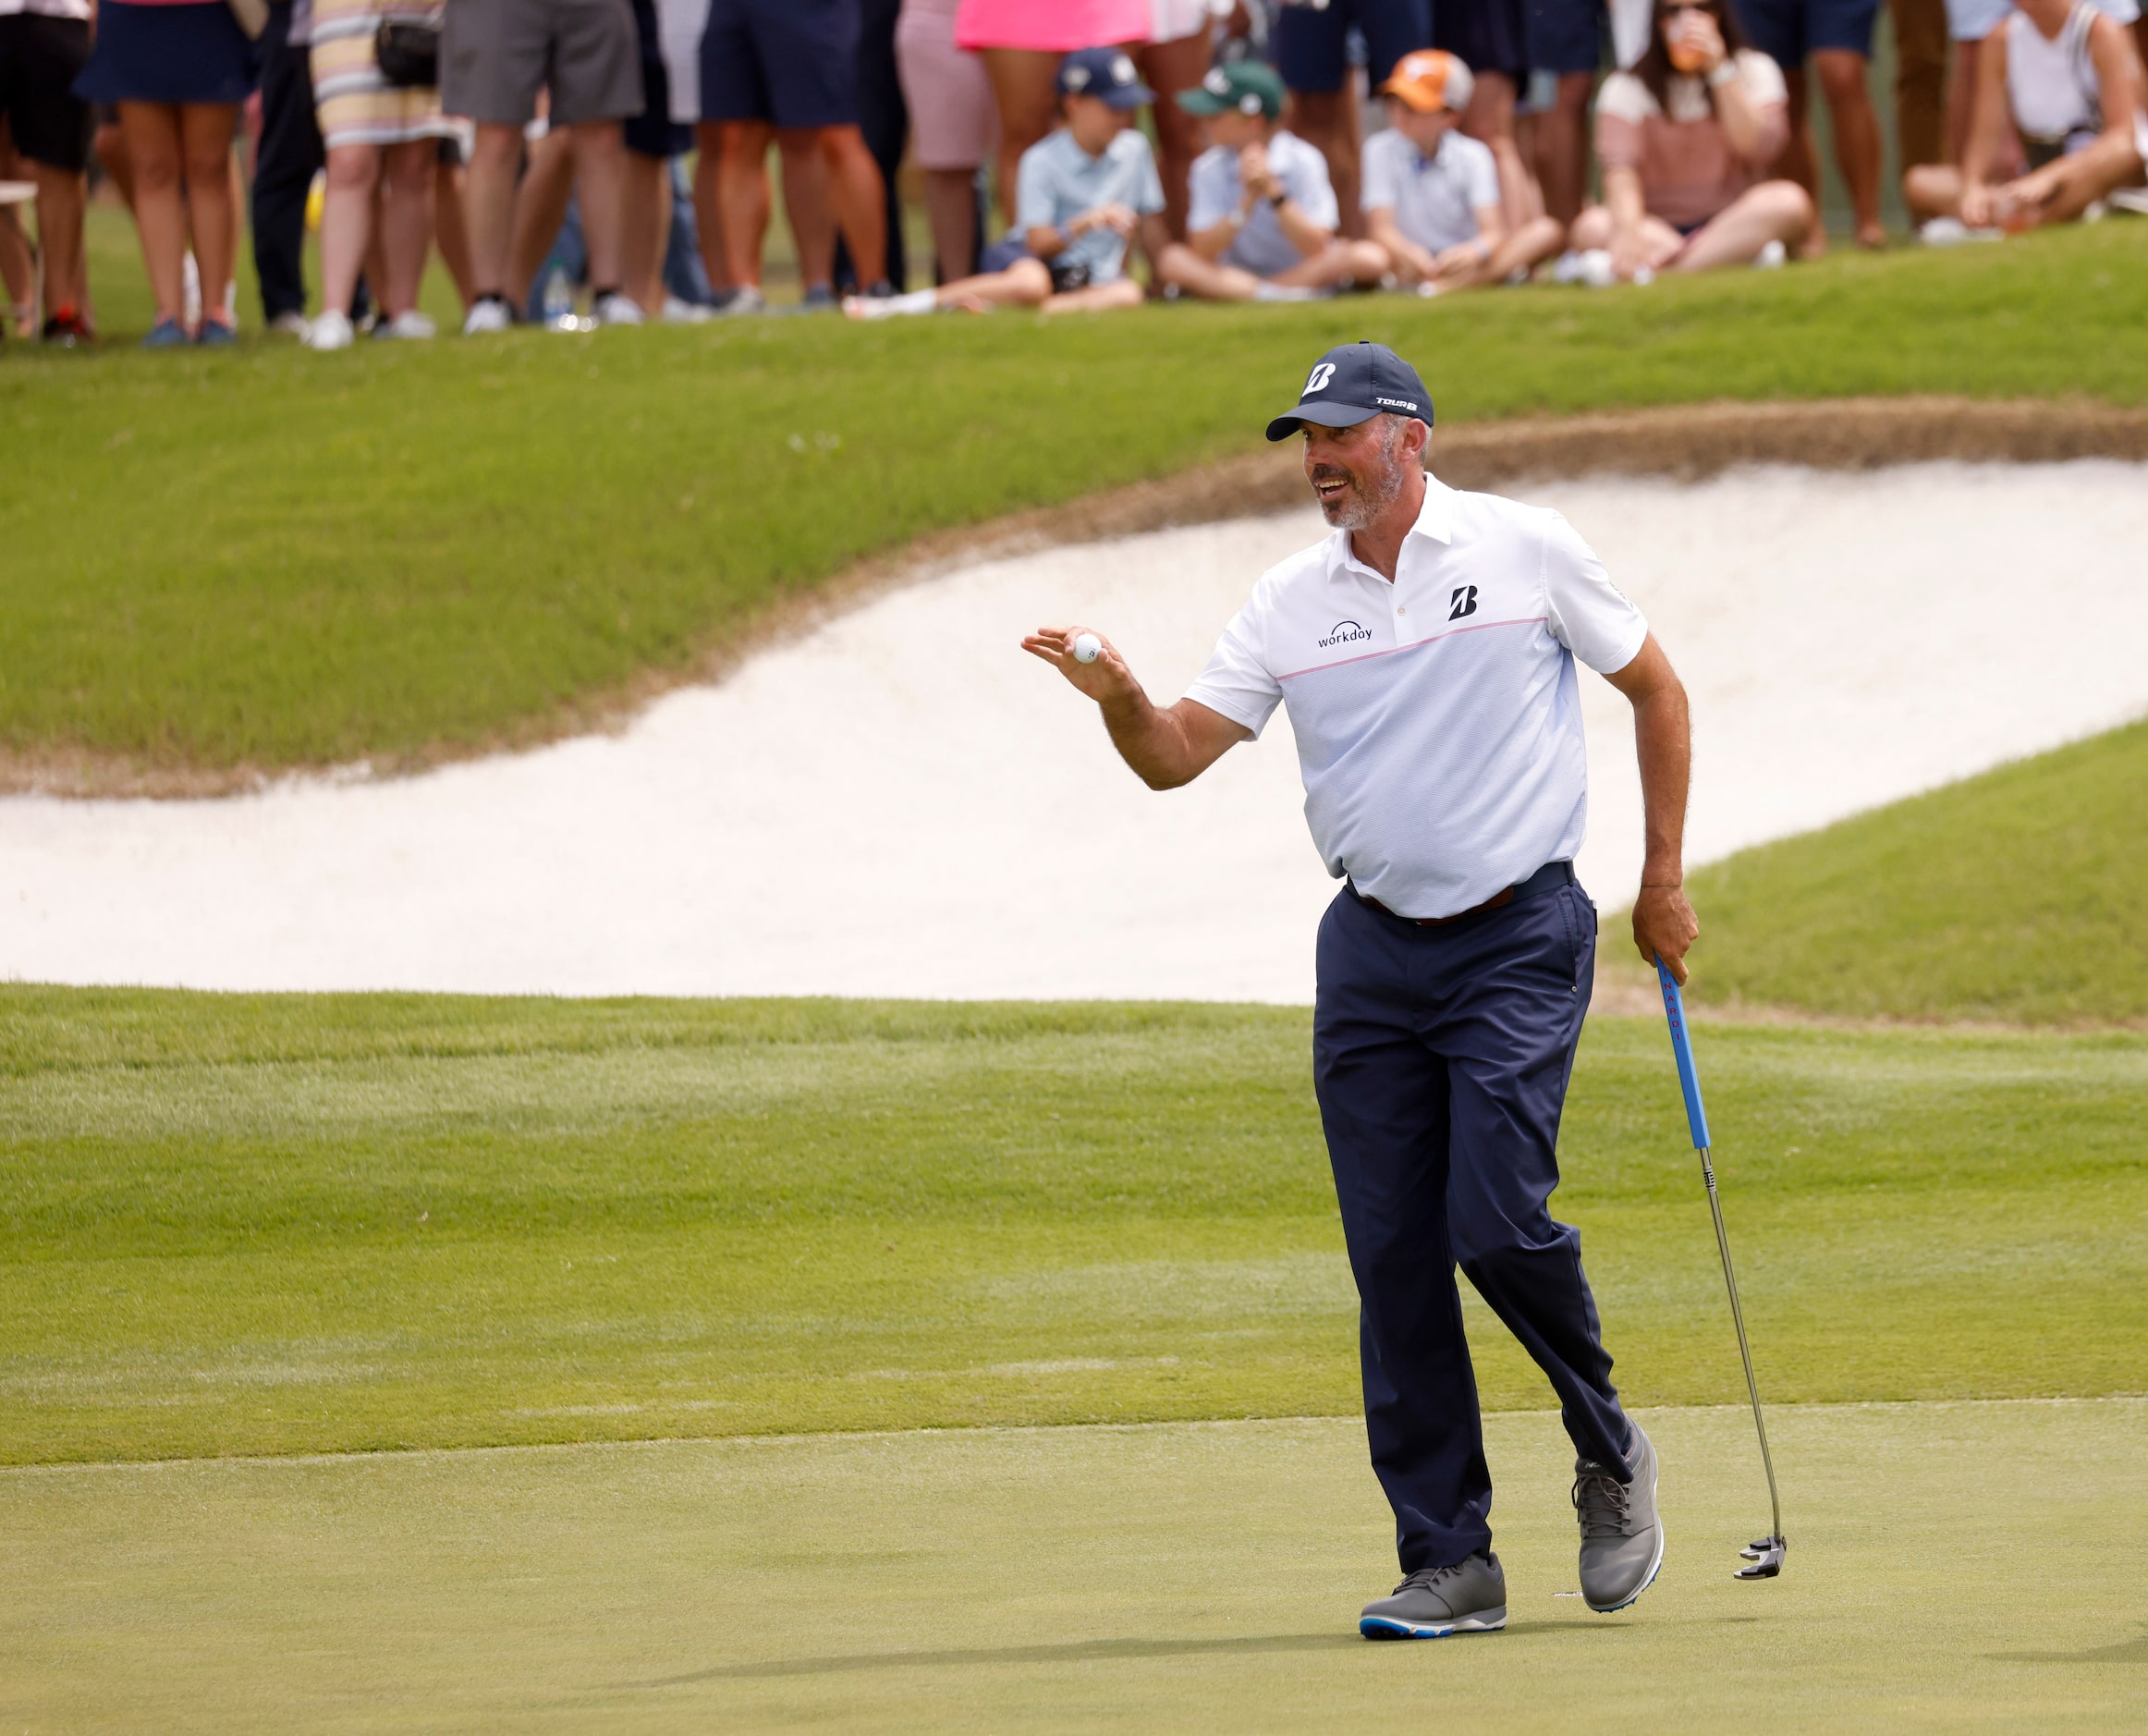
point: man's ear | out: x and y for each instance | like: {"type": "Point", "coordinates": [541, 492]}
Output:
{"type": "Point", "coordinates": [1416, 438]}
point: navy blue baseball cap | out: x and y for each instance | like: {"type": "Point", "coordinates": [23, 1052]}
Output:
{"type": "Point", "coordinates": [1107, 74]}
{"type": "Point", "coordinates": [1353, 383]}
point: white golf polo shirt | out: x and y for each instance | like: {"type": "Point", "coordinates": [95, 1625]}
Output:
{"type": "Point", "coordinates": [1438, 717]}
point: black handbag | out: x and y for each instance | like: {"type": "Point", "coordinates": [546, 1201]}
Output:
{"type": "Point", "coordinates": [409, 52]}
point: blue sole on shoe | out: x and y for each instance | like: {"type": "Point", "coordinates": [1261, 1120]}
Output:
{"type": "Point", "coordinates": [1382, 1628]}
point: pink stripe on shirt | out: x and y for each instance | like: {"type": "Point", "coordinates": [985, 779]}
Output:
{"type": "Point", "coordinates": [1052, 26]}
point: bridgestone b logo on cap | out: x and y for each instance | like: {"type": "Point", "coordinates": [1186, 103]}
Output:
{"type": "Point", "coordinates": [1317, 380]}
{"type": "Point", "coordinates": [1122, 70]}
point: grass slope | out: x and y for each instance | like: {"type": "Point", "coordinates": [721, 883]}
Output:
{"type": "Point", "coordinates": [239, 1225]}
{"type": "Point", "coordinates": [1161, 1579]}
{"type": "Point", "coordinates": [266, 556]}
{"type": "Point", "coordinates": [2012, 896]}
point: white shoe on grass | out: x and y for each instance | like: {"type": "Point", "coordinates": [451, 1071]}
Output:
{"type": "Point", "coordinates": [1771, 257]}
{"type": "Point", "coordinates": [614, 308]}
{"type": "Point", "coordinates": [891, 307]}
{"type": "Point", "coordinates": [409, 324]}
{"type": "Point", "coordinates": [288, 325]}
{"type": "Point", "coordinates": [488, 313]}
{"type": "Point", "coordinates": [679, 313]}
{"type": "Point", "coordinates": [330, 330]}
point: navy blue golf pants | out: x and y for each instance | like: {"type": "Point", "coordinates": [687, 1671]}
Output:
{"type": "Point", "coordinates": [1441, 1057]}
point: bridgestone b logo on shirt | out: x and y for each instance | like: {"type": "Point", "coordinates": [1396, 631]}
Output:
{"type": "Point", "coordinates": [1343, 633]}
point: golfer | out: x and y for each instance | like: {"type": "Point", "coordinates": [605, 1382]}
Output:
{"type": "Point", "coordinates": [1426, 650]}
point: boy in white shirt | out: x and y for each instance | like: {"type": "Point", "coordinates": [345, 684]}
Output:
{"type": "Point", "coordinates": [1262, 217]}
{"type": "Point", "coordinates": [1083, 192]}
{"type": "Point", "coordinates": [1431, 193]}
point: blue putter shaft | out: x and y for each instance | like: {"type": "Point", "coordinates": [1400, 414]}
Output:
{"type": "Point", "coordinates": [1674, 1007]}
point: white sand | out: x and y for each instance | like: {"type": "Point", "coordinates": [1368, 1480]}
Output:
{"type": "Point", "coordinates": [904, 804]}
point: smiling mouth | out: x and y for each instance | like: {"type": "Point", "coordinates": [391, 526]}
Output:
{"type": "Point", "coordinates": [1329, 488]}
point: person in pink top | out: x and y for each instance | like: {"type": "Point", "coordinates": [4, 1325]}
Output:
{"type": "Point", "coordinates": [1023, 43]}
{"type": "Point", "coordinates": [1684, 138]}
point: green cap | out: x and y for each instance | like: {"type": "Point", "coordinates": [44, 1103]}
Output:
{"type": "Point", "coordinates": [1251, 87]}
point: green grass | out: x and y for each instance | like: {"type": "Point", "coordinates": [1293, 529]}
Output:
{"type": "Point", "coordinates": [236, 1225]}
{"type": "Point", "coordinates": [2014, 896]}
{"type": "Point", "coordinates": [274, 558]}
{"type": "Point", "coordinates": [1198, 1578]}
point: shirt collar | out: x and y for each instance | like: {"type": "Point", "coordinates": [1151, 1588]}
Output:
{"type": "Point", "coordinates": [1435, 521]}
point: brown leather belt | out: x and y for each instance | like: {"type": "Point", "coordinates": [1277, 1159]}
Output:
{"type": "Point", "coordinates": [1552, 873]}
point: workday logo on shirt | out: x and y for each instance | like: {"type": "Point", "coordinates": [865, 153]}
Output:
{"type": "Point", "coordinates": [1343, 633]}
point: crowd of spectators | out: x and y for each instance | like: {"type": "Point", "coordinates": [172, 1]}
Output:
{"type": "Point", "coordinates": [1245, 150]}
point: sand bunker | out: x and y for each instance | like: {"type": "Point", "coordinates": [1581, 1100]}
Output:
{"type": "Point", "coordinates": [904, 804]}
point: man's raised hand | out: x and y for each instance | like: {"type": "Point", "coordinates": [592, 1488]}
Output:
{"type": "Point", "coordinates": [1107, 677]}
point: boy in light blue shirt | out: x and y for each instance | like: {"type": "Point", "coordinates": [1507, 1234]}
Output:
{"type": "Point", "coordinates": [1083, 193]}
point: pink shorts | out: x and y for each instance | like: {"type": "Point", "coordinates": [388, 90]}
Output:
{"type": "Point", "coordinates": [954, 122]}
{"type": "Point", "coordinates": [1053, 26]}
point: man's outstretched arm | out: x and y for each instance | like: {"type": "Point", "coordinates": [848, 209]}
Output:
{"type": "Point", "coordinates": [1167, 746]}
{"type": "Point", "coordinates": [1663, 924]}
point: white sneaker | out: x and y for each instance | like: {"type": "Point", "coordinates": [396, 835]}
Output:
{"type": "Point", "coordinates": [1953, 232]}
{"type": "Point", "coordinates": [615, 310]}
{"type": "Point", "coordinates": [1771, 256]}
{"type": "Point", "coordinates": [288, 326]}
{"type": "Point", "coordinates": [329, 331]}
{"type": "Point", "coordinates": [678, 312]}
{"type": "Point", "coordinates": [488, 315]}
{"type": "Point", "coordinates": [1567, 268]}
{"type": "Point", "coordinates": [891, 307]}
{"type": "Point", "coordinates": [745, 303]}
{"type": "Point", "coordinates": [411, 323]}
{"type": "Point", "coordinates": [1594, 268]}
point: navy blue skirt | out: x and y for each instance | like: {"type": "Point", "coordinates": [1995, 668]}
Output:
{"type": "Point", "coordinates": [194, 52]}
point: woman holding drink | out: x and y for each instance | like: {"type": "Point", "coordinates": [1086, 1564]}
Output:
{"type": "Point", "coordinates": [1684, 138]}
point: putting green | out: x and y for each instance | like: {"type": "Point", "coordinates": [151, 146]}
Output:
{"type": "Point", "coordinates": [1951, 1565]}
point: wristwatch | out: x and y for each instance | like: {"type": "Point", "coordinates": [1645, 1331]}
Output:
{"type": "Point", "coordinates": [1277, 199]}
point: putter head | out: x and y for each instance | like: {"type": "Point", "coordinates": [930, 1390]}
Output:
{"type": "Point", "coordinates": [1763, 1557]}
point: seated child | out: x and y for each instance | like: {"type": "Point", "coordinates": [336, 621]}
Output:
{"type": "Point", "coordinates": [2067, 77]}
{"type": "Point", "coordinates": [1431, 193]}
{"type": "Point", "coordinates": [1685, 139]}
{"type": "Point", "coordinates": [1262, 217]}
{"type": "Point", "coordinates": [1083, 192]}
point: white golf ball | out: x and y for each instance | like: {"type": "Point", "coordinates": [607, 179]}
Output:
{"type": "Point", "coordinates": [1087, 647]}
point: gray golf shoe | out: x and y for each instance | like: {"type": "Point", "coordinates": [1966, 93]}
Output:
{"type": "Point", "coordinates": [1469, 1597]}
{"type": "Point", "coordinates": [1621, 1535]}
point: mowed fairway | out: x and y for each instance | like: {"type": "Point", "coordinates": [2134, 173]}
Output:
{"type": "Point", "coordinates": [1951, 1567]}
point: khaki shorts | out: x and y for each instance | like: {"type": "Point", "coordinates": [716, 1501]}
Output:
{"type": "Point", "coordinates": [496, 54]}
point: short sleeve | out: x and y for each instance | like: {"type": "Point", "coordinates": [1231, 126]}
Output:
{"type": "Point", "coordinates": [1148, 195]}
{"type": "Point", "coordinates": [1212, 193]}
{"type": "Point", "coordinates": [1035, 207]}
{"type": "Point", "coordinates": [1589, 615]}
{"type": "Point", "coordinates": [1306, 181]}
{"type": "Point", "coordinates": [1761, 78]}
{"type": "Point", "coordinates": [1381, 171]}
{"type": "Point", "coordinates": [1480, 175]}
{"type": "Point", "coordinates": [1237, 683]}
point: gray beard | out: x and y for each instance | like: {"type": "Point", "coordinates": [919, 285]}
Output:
{"type": "Point", "coordinates": [1372, 496]}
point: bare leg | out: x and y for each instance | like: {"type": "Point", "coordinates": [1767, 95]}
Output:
{"type": "Point", "coordinates": [708, 206]}
{"type": "Point", "coordinates": [809, 204]}
{"type": "Point", "coordinates": [600, 166]}
{"type": "Point", "coordinates": [155, 155]}
{"type": "Point", "coordinates": [490, 205]}
{"type": "Point", "coordinates": [951, 206]}
{"type": "Point", "coordinates": [61, 194]}
{"type": "Point", "coordinates": [648, 203]}
{"type": "Point", "coordinates": [1025, 82]}
{"type": "Point", "coordinates": [406, 222]}
{"type": "Point", "coordinates": [1100, 297]}
{"type": "Point", "coordinates": [1168, 68]}
{"type": "Point", "coordinates": [347, 222]}
{"type": "Point", "coordinates": [1180, 266]}
{"type": "Point", "coordinates": [1026, 283]}
{"type": "Point", "coordinates": [1562, 147]}
{"type": "Point", "coordinates": [539, 207]}
{"type": "Point", "coordinates": [1593, 229]}
{"type": "Point", "coordinates": [858, 197]}
{"type": "Point", "coordinates": [1919, 79]}
{"type": "Point", "coordinates": [1335, 264]}
{"type": "Point", "coordinates": [18, 271]}
{"type": "Point", "coordinates": [109, 146]}
{"type": "Point", "coordinates": [1328, 121]}
{"type": "Point", "coordinates": [2087, 175]}
{"type": "Point", "coordinates": [1796, 162]}
{"type": "Point", "coordinates": [1932, 190]}
{"type": "Point", "coordinates": [451, 228]}
{"type": "Point", "coordinates": [742, 193]}
{"type": "Point", "coordinates": [1774, 211]}
{"type": "Point", "coordinates": [1844, 81]}
{"type": "Point", "coordinates": [1490, 117]}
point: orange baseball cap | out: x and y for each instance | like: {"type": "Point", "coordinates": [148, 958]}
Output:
{"type": "Point", "coordinates": [1429, 80]}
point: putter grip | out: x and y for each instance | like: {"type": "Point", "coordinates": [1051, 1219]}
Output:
{"type": "Point", "coordinates": [1674, 1008]}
